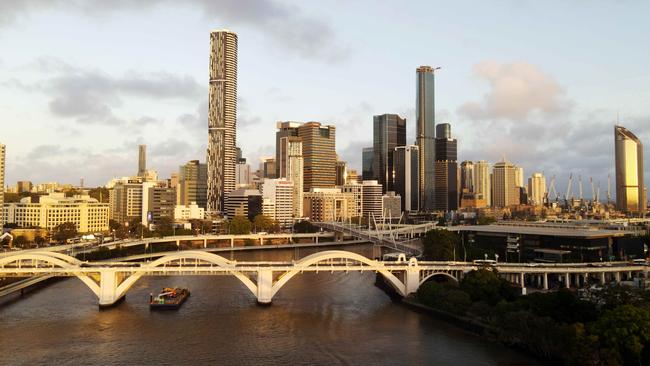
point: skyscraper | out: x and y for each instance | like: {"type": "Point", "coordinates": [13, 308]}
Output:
{"type": "Point", "coordinates": [2, 184]}
{"type": "Point", "coordinates": [536, 189]}
{"type": "Point", "coordinates": [142, 161]}
{"type": "Point", "coordinates": [467, 177]}
{"type": "Point", "coordinates": [341, 172]}
{"type": "Point", "coordinates": [628, 151]}
{"type": "Point", "coordinates": [426, 124]}
{"type": "Point", "coordinates": [406, 173]}
{"type": "Point", "coordinates": [294, 171]}
{"type": "Point", "coordinates": [368, 155]}
{"type": "Point", "coordinates": [285, 129]}
{"type": "Point", "coordinates": [371, 199]}
{"type": "Point", "coordinates": [319, 155]}
{"type": "Point", "coordinates": [482, 181]}
{"type": "Point", "coordinates": [389, 132]}
{"type": "Point", "coordinates": [222, 118]}
{"type": "Point", "coordinates": [505, 191]}
{"type": "Point", "coordinates": [446, 170]}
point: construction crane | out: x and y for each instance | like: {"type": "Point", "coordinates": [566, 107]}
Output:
{"type": "Point", "coordinates": [552, 191]}
{"type": "Point", "coordinates": [609, 188]}
{"type": "Point", "coordinates": [593, 189]}
{"type": "Point", "coordinates": [580, 187]}
{"type": "Point", "coordinates": [568, 189]}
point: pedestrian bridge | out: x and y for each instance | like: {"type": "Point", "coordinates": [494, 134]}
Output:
{"type": "Point", "coordinates": [110, 281]}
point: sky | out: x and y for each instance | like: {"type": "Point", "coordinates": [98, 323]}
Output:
{"type": "Point", "coordinates": [83, 82]}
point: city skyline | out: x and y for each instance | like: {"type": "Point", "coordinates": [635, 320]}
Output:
{"type": "Point", "coordinates": [471, 117]}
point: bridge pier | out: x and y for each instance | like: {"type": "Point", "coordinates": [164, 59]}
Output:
{"type": "Point", "coordinates": [264, 287]}
{"type": "Point", "coordinates": [108, 288]}
{"type": "Point", "coordinates": [545, 281]}
{"type": "Point", "coordinates": [412, 280]}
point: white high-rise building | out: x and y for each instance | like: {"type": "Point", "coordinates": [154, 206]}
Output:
{"type": "Point", "coordinates": [519, 176]}
{"type": "Point", "coordinates": [482, 181]}
{"type": "Point", "coordinates": [222, 118]}
{"type": "Point", "coordinates": [277, 200]}
{"type": "Point", "coordinates": [536, 189]}
{"type": "Point", "coordinates": [294, 170]}
{"type": "Point", "coordinates": [372, 193]}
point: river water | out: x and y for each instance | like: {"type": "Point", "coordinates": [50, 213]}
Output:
{"type": "Point", "coordinates": [315, 319]}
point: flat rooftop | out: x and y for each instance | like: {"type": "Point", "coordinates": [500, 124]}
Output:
{"type": "Point", "coordinates": [566, 232]}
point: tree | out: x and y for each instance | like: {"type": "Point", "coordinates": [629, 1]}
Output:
{"type": "Point", "coordinates": [440, 244]}
{"type": "Point", "coordinates": [64, 231]}
{"type": "Point", "coordinates": [262, 223]}
{"type": "Point", "coordinates": [625, 330]}
{"type": "Point", "coordinates": [21, 241]}
{"type": "Point", "coordinates": [39, 240]}
{"type": "Point", "coordinates": [485, 285]}
{"type": "Point", "coordinates": [304, 227]}
{"type": "Point", "coordinates": [165, 226]}
{"type": "Point", "coordinates": [240, 225]}
{"type": "Point", "coordinates": [485, 220]}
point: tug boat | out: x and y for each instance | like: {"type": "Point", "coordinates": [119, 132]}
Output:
{"type": "Point", "coordinates": [169, 299]}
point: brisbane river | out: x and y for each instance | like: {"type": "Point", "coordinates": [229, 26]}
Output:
{"type": "Point", "coordinates": [315, 319]}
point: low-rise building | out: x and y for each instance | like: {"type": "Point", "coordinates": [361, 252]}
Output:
{"type": "Point", "coordinates": [88, 214]}
{"type": "Point", "coordinates": [329, 204]}
{"type": "Point", "coordinates": [243, 202]}
{"type": "Point", "coordinates": [189, 212]}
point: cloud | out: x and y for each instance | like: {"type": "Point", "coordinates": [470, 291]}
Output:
{"type": "Point", "coordinates": [286, 25]}
{"type": "Point", "coordinates": [90, 95]}
{"type": "Point", "coordinates": [517, 91]}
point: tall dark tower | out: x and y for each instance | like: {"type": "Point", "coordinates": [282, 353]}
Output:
{"type": "Point", "coordinates": [389, 132]}
{"type": "Point", "coordinates": [446, 170]}
{"type": "Point", "coordinates": [425, 116]}
{"type": "Point", "coordinates": [142, 161]}
{"type": "Point", "coordinates": [222, 118]}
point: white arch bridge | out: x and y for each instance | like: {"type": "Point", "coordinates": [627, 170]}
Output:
{"type": "Point", "coordinates": [110, 281]}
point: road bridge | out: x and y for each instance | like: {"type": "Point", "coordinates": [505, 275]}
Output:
{"type": "Point", "coordinates": [110, 281]}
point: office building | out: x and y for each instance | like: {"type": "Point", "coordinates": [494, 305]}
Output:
{"type": "Point", "coordinates": [371, 204]}
{"type": "Point", "coordinates": [628, 151]}
{"type": "Point", "coordinates": [406, 176]}
{"type": "Point", "coordinates": [222, 118]}
{"type": "Point", "coordinates": [519, 177]}
{"type": "Point", "coordinates": [142, 161]}
{"type": "Point", "coordinates": [243, 202]}
{"type": "Point", "coordinates": [367, 162]}
{"type": "Point", "coordinates": [446, 170]}
{"type": "Point", "coordinates": [279, 193]}
{"type": "Point", "coordinates": [268, 167]}
{"type": "Point", "coordinates": [505, 191]}
{"type": "Point", "coordinates": [189, 212]}
{"type": "Point", "coordinates": [341, 172]}
{"type": "Point", "coordinates": [351, 176]}
{"type": "Point", "coordinates": [329, 204]}
{"type": "Point", "coordinates": [242, 175]}
{"type": "Point", "coordinates": [356, 191]}
{"type": "Point", "coordinates": [125, 201]}
{"type": "Point", "coordinates": [425, 134]}
{"type": "Point", "coordinates": [294, 170]}
{"type": "Point", "coordinates": [536, 189]}
{"type": "Point", "coordinates": [389, 132]}
{"type": "Point", "coordinates": [391, 205]}
{"type": "Point", "coordinates": [54, 209]}
{"type": "Point", "coordinates": [158, 201]}
{"type": "Point", "coordinates": [287, 131]}
{"type": "Point", "coordinates": [467, 177]}
{"type": "Point", "coordinates": [23, 186]}
{"type": "Point", "coordinates": [319, 155]}
{"type": "Point", "coordinates": [192, 184]}
{"type": "Point", "coordinates": [483, 182]}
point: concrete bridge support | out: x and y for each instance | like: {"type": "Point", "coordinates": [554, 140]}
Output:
{"type": "Point", "coordinates": [108, 288]}
{"type": "Point", "coordinates": [264, 287]}
{"type": "Point", "coordinates": [412, 280]}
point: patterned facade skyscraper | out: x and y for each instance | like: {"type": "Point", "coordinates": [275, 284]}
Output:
{"type": "Point", "coordinates": [628, 150]}
{"type": "Point", "coordinates": [425, 116]}
{"type": "Point", "coordinates": [222, 118]}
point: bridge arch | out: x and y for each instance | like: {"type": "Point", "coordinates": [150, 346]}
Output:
{"type": "Point", "coordinates": [315, 258]}
{"type": "Point", "coordinates": [438, 274]}
{"type": "Point", "coordinates": [56, 259]}
{"type": "Point", "coordinates": [218, 260]}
